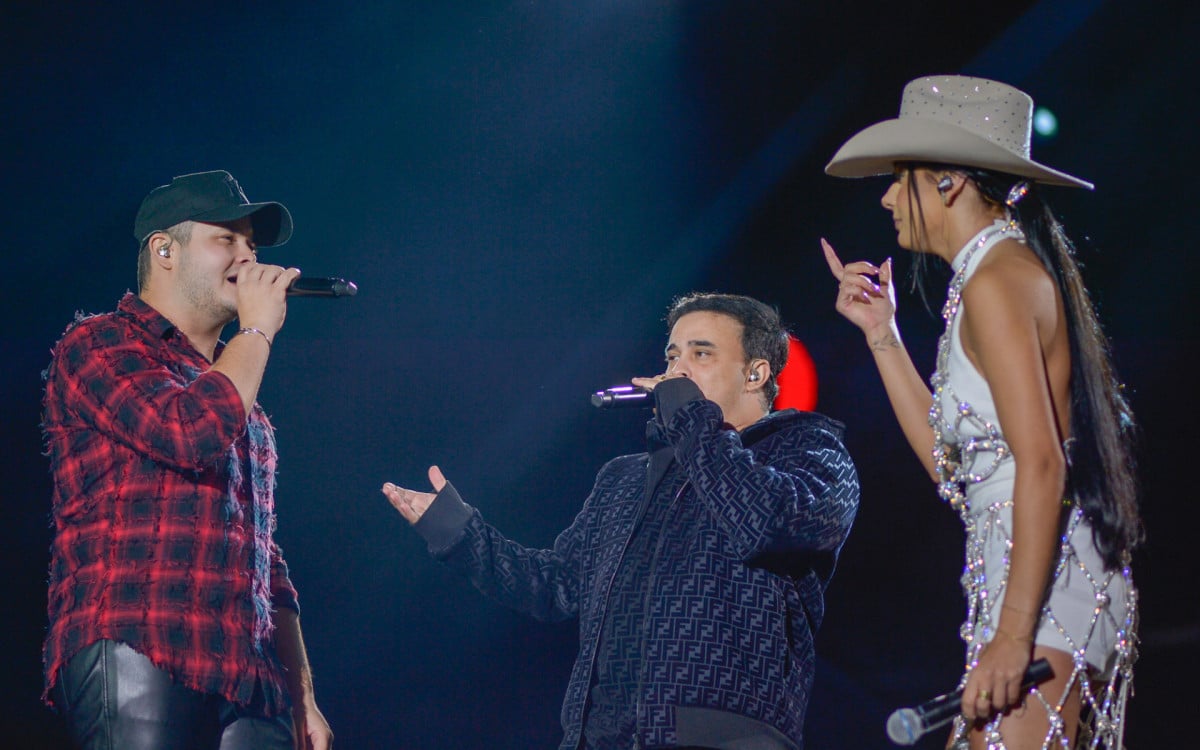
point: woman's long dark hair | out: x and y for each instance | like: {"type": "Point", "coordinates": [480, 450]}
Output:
{"type": "Point", "coordinates": [1101, 470]}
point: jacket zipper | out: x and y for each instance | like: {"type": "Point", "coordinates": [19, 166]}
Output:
{"type": "Point", "coordinates": [604, 614]}
{"type": "Point", "coordinates": [637, 726]}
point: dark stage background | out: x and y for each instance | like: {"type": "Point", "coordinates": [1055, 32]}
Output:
{"type": "Point", "coordinates": [519, 189]}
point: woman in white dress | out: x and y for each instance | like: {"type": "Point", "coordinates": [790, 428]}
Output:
{"type": "Point", "coordinates": [1025, 430]}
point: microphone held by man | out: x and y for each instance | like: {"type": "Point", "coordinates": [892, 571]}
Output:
{"type": "Point", "coordinates": [623, 397]}
{"type": "Point", "coordinates": [318, 286]}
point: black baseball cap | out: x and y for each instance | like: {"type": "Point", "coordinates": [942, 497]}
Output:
{"type": "Point", "coordinates": [213, 197]}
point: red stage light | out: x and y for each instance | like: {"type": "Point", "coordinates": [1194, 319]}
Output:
{"type": "Point", "coordinates": [798, 380]}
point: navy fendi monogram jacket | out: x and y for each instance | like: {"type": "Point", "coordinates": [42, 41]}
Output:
{"type": "Point", "coordinates": [737, 571]}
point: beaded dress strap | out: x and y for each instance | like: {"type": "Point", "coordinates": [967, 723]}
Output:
{"type": "Point", "coordinates": [952, 461]}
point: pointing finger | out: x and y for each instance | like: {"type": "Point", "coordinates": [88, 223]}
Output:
{"type": "Point", "coordinates": [835, 263]}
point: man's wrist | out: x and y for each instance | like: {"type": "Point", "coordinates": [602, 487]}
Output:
{"type": "Point", "coordinates": [253, 330]}
{"type": "Point", "coordinates": [301, 689]}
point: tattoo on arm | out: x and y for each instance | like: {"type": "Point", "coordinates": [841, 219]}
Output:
{"type": "Point", "coordinates": [885, 342]}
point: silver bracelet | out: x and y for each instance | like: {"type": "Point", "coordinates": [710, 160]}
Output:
{"type": "Point", "coordinates": [255, 330]}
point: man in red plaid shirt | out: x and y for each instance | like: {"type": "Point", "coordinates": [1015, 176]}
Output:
{"type": "Point", "coordinates": [173, 623]}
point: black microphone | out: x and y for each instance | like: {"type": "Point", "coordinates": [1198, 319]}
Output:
{"type": "Point", "coordinates": [623, 397]}
{"type": "Point", "coordinates": [907, 725]}
{"type": "Point", "coordinates": [315, 286]}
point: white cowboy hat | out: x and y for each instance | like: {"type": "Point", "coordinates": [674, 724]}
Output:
{"type": "Point", "coordinates": [953, 120]}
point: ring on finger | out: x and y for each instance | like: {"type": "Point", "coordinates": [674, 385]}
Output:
{"type": "Point", "coordinates": [985, 695]}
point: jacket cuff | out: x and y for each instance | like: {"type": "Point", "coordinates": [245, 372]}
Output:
{"type": "Point", "coordinates": [444, 522]}
{"type": "Point", "coordinates": [671, 395]}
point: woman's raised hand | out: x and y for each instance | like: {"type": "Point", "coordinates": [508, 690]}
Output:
{"type": "Point", "coordinates": [862, 301]}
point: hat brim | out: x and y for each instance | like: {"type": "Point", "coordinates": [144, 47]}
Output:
{"type": "Point", "coordinates": [272, 221]}
{"type": "Point", "coordinates": [876, 150]}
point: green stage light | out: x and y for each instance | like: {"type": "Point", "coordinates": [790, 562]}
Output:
{"type": "Point", "coordinates": [1045, 123]}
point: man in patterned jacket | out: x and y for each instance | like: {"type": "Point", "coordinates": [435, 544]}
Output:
{"type": "Point", "coordinates": [697, 569]}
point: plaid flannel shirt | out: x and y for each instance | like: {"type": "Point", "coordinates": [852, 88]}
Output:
{"type": "Point", "coordinates": [163, 508]}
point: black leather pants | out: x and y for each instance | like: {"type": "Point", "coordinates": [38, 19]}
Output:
{"type": "Point", "coordinates": [113, 698]}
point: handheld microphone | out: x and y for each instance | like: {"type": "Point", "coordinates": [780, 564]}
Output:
{"type": "Point", "coordinates": [315, 286]}
{"type": "Point", "coordinates": [907, 725]}
{"type": "Point", "coordinates": [623, 397]}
